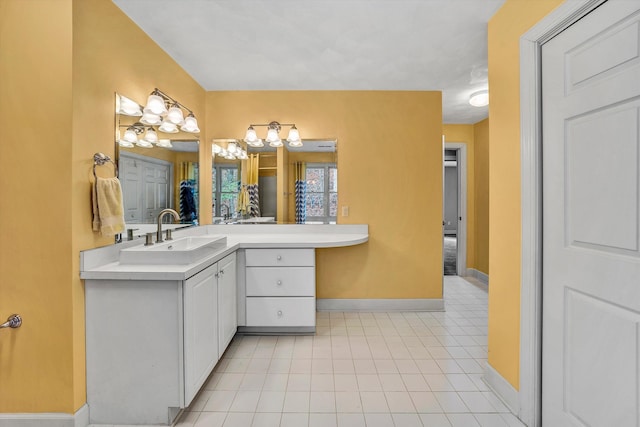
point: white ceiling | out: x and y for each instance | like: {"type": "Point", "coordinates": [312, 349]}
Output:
{"type": "Point", "coordinates": [328, 44]}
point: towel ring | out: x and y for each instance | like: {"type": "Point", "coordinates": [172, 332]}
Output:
{"type": "Point", "coordinates": [100, 159]}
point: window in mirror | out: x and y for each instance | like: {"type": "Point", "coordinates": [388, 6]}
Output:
{"type": "Point", "coordinates": [321, 193]}
{"type": "Point", "coordinates": [225, 182]}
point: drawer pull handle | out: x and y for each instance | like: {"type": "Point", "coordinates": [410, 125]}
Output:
{"type": "Point", "coordinates": [279, 257]}
{"type": "Point", "coordinates": [279, 313]}
{"type": "Point", "coordinates": [279, 282]}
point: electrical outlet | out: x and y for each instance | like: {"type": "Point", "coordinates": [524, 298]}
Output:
{"type": "Point", "coordinates": [345, 211]}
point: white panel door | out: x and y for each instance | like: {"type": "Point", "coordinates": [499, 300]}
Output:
{"type": "Point", "coordinates": [131, 189]}
{"type": "Point", "coordinates": [591, 225]}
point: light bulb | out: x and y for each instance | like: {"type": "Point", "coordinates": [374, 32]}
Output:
{"type": "Point", "coordinates": [168, 127]}
{"type": "Point", "coordinates": [231, 147]}
{"type": "Point", "coordinates": [151, 119]}
{"type": "Point", "coordinates": [250, 137]}
{"type": "Point", "coordinates": [155, 105]}
{"type": "Point", "coordinates": [294, 136]}
{"type": "Point", "coordinates": [130, 136]}
{"type": "Point", "coordinates": [190, 124]}
{"type": "Point", "coordinates": [128, 107]}
{"type": "Point", "coordinates": [144, 144]}
{"type": "Point", "coordinates": [175, 115]}
{"type": "Point", "coordinates": [151, 136]}
{"type": "Point", "coordinates": [273, 138]}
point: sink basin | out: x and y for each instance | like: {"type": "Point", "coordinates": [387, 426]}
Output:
{"type": "Point", "coordinates": [179, 251]}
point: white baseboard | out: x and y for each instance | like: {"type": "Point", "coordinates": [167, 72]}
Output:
{"type": "Point", "coordinates": [79, 419]}
{"type": "Point", "coordinates": [482, 277]}
{"type": "Point", "coordinates": [502, 389]}
{"type": "Point", "coordinates": [424, 304]}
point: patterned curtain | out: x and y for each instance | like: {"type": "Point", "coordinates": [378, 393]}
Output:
{"type": "Point", "coordinates": [301, 192]}
{"type": "Point", "coordinates": [252, 186]}
{"type": "Point", "coordinates": [188, 194]}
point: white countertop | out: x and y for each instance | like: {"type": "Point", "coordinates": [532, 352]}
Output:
{"type": "Point", "coordinates": [102, 263]}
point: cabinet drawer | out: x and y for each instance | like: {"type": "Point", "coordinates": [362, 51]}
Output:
{"type": "Point", "coordinates": [281, 282]}
{"type": "Point", "coordinates": [280, 257]}
{"type": "Point", "coordinates": [287, 311]}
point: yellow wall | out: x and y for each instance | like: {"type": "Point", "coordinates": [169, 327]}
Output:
{"type": "Point", "coordinates": [505, 28]}
{"type": "Point", "coordinates": [465, 134]}
{"type": "Point", "coordinates": [60, 64]}
{"type": "Point", "coordinates": [398, 192]}
{"type": "Point", "coordinates": [481, 191]}
{"type": "Point", "coordinates": [37, 362]}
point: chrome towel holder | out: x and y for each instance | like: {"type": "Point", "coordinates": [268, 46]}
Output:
{"type": "Point", "coordinates": [100, 159]}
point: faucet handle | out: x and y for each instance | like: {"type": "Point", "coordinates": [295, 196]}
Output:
{"type": "Point", "coordinates": [130, 233]}
{"type": "Point", "coordinates": [149, 240]}
{"type": "Point", "coordinates": [168, 232]}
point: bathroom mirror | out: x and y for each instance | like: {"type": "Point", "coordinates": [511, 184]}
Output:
{"type": "Point", "coordinates": [310, 170]}
{"type": "Point", "coordinates": [155, 176]}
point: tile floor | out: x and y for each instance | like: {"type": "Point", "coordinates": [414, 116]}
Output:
{"type": "Point", "coordinates": [361, 369]}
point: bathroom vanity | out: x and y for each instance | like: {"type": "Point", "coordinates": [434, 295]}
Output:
{"type": "Point", "coordinates": [159, 318]}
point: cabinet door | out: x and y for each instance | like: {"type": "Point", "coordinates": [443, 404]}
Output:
{"type": "Point", "coordinates": [200, 329]}
{"type": "Point", "coordinates": [227, 306]}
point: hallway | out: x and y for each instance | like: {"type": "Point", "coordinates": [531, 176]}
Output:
{"type": "Point", "coordinates": [361, 369]}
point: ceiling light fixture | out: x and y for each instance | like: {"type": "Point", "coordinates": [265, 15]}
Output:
{"type": "Point", "coordinates": [480, 98]}
{"type": "Point", "coordinates": [273, 135]}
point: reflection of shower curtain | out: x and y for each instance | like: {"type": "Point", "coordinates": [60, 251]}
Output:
{"type": "Point", "coordinates": [188, 210]}
{"type": "Point", "coordinates": [301, 191]}
{"type": "Point", "coordinates": [187, 176]}
{"type": "Point", "coordinates": [252, 186]}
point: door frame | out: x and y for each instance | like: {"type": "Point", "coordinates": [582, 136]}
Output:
{"type": "Point", "coordinates": [530, 391]}
{"type": "Point", "coordinates": [461, 157]}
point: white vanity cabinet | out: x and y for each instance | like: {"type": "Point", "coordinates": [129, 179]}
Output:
{"type": "Point", "coordinates": [280, 290]}
{"type": "Point", "coordinates": [151, 344]}
{"type": "Point", "coordinates": [200, 329]}
{"type": "Point", "coordinates": [227, 302]}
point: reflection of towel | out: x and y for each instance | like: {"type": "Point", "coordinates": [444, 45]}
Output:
{"type": "Point", "coordinates": [108, 213]}
{"type": "Point", "coordinates": [243, 201]}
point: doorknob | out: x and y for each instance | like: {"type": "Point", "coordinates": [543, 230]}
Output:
{"type": "Point", "coordinates": [14, 321]}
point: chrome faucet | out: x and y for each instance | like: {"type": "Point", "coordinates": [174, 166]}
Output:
{"type": "Point", "coordinates": [228, 214]}
{"type": "Point", "coordinates": [160, 215]}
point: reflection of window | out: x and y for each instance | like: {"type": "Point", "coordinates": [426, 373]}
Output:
{"type": "Point", "coordinates": [225, 189]}
{"type": "Point", "coordinates": [322, 192]}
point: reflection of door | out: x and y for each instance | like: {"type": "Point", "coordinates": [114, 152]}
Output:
{"type": "Point", "coordinates": [591, 206]}
{"type": "Point", "coordinates": [146, 187]}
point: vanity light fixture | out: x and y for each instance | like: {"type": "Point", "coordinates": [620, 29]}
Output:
{"type": "Point", "coordinates": [162, 105]}
{"type": "Point", "coordinates": [273, 135]}
{"type": "Point", "coordinates": [233, 149]}
{"type": "Point", "coordinates": [479, 98]}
